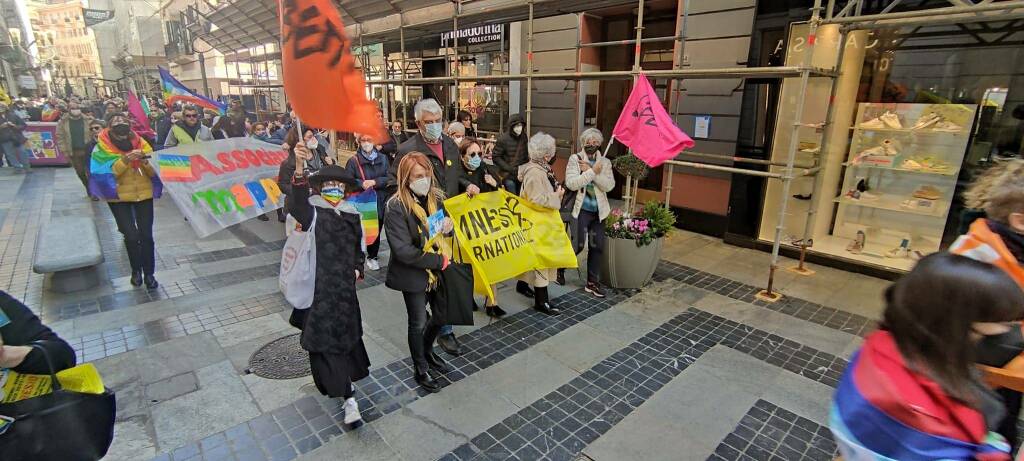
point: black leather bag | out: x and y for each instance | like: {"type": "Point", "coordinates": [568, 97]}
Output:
{"type": "Point", "coordinates": [452, 298]}
{"type": "Point", "coordinates": [60, 426]}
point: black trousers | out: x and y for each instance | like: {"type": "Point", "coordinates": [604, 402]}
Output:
{"type": "Point", "coordinates": [590, 229]}
{"type": "Point", "coordinates": [373, 248]}
{"type": "Point", "coordinates": [422, 330]}
{"type": "Point", "coordinates": [135, 223]}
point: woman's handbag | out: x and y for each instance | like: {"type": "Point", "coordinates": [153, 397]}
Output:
{"type": "Point", "coordinates": [298, 267]}
{"type": "Point", "coordinates": [452, 298]}
{"type": "Point", "coordinates": [62, 425]}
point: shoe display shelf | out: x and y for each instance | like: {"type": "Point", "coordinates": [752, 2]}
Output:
{"type": "Point", "coordinates": [903, 163]}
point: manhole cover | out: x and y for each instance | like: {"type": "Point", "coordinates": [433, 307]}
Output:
{"type": "Point", "coordinates": [282, 358]}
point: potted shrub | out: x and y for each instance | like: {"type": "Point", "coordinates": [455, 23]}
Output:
{"type": "Point", "coordinates": [633, 245]}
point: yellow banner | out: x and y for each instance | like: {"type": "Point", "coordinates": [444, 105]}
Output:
{"type": "Point", "coordinates": [503, 236]}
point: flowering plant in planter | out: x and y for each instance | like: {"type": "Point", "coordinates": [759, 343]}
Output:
{"type": "Point", "coordinates": [653, 222]}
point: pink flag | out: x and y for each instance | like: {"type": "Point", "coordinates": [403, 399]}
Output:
{"type": "Point", "coordinates": [645, 127]}
{"type": "Point", "coordinates": [141, 122]}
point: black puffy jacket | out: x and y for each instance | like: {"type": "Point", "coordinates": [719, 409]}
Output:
{"type": "Point", "coordinates": [510, 151]}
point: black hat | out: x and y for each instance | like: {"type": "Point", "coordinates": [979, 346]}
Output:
{"type": "Point", "coordinates": [331, 172]}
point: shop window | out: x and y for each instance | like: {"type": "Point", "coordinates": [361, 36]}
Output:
{"type": "Point", "coordinates": [929, 113]}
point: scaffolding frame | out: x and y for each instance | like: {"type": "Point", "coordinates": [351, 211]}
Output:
{"type": "Point", "coordinates": [823, 12]}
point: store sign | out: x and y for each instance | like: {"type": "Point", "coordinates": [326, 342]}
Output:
{"type": "Point", "coordinates": [473, 35]}
{"type": "Point", "coordinates": [27, 82]}
{"type": "Point", "coordinates": [93, 17]}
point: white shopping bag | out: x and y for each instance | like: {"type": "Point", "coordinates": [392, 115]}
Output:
{"type": "Point", "coordinates": [298, 267]}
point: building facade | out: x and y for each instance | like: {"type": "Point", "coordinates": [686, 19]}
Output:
{"type": "Point", "coordinates": [65, 44]}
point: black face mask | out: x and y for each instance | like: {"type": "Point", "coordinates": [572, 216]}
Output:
{"type": "Point", "coordinates": [590, 149]}
{"type": "Point", "coordinates": [121, 131]}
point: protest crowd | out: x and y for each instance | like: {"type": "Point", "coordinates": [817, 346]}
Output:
{"type": "Point", "coordinates": [446, 218]}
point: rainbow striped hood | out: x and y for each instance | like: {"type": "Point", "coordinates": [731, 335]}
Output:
{"type": "Point", "coordinates": [102, 182]}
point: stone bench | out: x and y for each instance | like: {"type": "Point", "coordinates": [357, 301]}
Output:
{"type": "Point", "coordinates": [69, 248]}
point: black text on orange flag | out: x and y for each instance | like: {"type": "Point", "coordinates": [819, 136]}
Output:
{"type": "Point", "coordinates": [323, 85]}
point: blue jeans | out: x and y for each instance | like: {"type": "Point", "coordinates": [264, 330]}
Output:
{"type": "Point", "coordinates": [13, 153]}
{"type": "Point", "coordinates": [445, 330]}
{"type": "Point", "coordinates": [26, 157]}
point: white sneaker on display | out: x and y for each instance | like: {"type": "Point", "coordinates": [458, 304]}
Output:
{"type": "Point", "coordinates": [873, 124]}
{"type": "Point", "coordinates": [352, 411]}
{"type": "Point", "coordinates": [891, 120]}
{"type": "Point", "coordinates": [373, 264]}
{"type": "Point", "coordinates": [890, 148]}
{"type": "Point", "coordinates": [947, 126]}
{"type": "Point", "coordinates": [926, 121]}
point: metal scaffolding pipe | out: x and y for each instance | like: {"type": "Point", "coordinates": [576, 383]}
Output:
{"type": "Point", "coordinates": [937, 13]}
{"type": "Point", "coordinates": [727, 169]}
{"type": "Point", "coordinates": [629, 41]}
{"type": "Point", "coordinates": [732, 72]}
{"type": "Point", "coordinates": [742, 159]}
{"type": "Point", "coordinates": [529, 70]}
{"type": "Point", "coordinates": [405, 91]}
{"type": "Point", "coordinates": [793, 144]}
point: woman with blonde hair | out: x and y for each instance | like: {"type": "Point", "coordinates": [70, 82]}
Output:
{"type": "Point", "coordinates": [416, 261]}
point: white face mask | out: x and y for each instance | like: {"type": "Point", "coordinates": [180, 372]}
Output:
{"type": "Point", "coordinates": [420, 186]}
{"type": "Point", "coordinates": [488, 161]}
{"type": "Point", "coordinates": [458, 139]}
{"type": "Point", "coordinates": [312, 144]}
{"type": "Point", "coordinates": [367, 147]}
{"type": "Point", "coordinates": [518, 130]}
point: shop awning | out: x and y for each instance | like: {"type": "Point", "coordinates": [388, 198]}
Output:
{"type": "Point", "coordinates": [239, 24]}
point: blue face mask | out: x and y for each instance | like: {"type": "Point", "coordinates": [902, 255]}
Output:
{"type": "Point", "coordinates": [432, 131]}
{"type": "Point", "coordinates": [474, 162]}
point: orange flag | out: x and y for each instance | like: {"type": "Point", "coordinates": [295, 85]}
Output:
{"type": "Point", "coordinates": [323, 85]}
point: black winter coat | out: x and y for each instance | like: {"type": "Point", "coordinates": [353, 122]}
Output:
{"type": "Point", "coordinates": [510, 151]}
{"type": "Point", "coordinates": [447, 173]}
{"type": "Point", "coordinates": [333, 324]}
{"type": "Point", "coordinates": [407, 268]}
{"type": "Point", "coordinates": [476, 178]}
{"type": "Point", "coordinates": [24, 329]}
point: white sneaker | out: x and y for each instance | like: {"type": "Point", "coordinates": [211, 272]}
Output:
{"type": "Point", "coordinates": [891, 120]}
{"type": "Point", "coordinates": [873, 124]}
{"type": "Point", "coordinates": [890, 147]}
{"type": "Point", "coordinates": [352, 411]}
{"type": "Point", "coordinates": [373, 264]}
{"type": "Point", "coordinates": [926, 121]}
{"type": "Point", "coordinates": [947, 126]}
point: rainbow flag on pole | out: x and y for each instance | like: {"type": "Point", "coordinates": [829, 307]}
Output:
{"type": "Point", "coordinates": [175, 91]}
{"type": "Point", "coordinates": [366, 203]}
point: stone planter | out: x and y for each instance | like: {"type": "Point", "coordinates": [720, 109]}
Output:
{"type": "Point", "coordinates": [626, 265]}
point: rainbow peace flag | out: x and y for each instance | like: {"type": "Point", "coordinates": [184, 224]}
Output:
{"type": "Point", "coordinates": [102, 182]}
{"type": "Point", "coordinates": [883, 410]}
{"type": "Point", "coordinates": [176, 168]}
{"type": "Point", "coordinates": [366, 203]}
{"type": "Point", "coordinates": [174, 91]}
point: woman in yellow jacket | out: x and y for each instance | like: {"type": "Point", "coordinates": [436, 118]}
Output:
{"type": "Point", "coordinates": [120, 173]}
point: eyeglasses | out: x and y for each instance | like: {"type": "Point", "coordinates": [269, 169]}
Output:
{"type": "Point", "coordinates": [191, 115]}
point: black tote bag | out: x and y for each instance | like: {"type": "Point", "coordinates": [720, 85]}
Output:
{"type": "Point", "coordinates": [452, 298]}
{"type": "Point", "coordinates": [60, 426]}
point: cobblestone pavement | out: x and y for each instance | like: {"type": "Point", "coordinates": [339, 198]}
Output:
{"type": "Point", "coordinates": [691, 367]}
